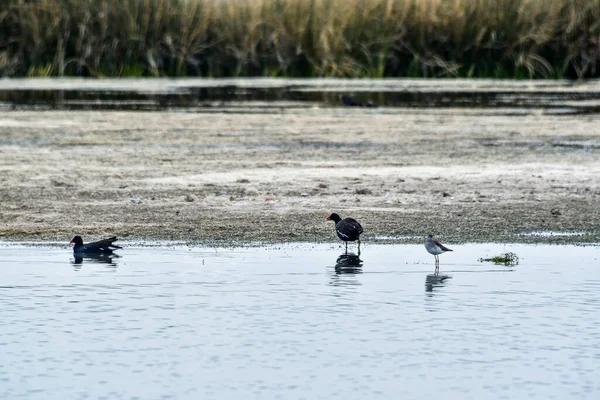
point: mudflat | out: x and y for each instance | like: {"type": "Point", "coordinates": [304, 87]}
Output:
{"type": "Point", "coordinates": [246, 175]}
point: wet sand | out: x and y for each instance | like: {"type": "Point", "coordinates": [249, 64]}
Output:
{"type": "Point", "coordinates": [223, 177]}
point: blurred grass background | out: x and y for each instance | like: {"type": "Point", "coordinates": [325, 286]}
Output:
{"type": "Point", "coordinates": [301, 38]}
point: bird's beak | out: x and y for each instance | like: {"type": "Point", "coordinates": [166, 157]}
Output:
{"type": "Point", "coordinates": [328, 218]}
{"type": "Point", "coordinates": [72, 240]}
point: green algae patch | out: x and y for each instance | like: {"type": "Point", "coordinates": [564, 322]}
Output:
{"type": "Point", "coordinates": [509, 259]}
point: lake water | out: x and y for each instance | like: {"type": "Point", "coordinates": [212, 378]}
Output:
{"type": "Point", "coordinates": [299, 322]}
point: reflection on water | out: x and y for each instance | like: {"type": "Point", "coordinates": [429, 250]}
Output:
{"type": "Point", "coordinates": [434, 281]}
{"type": "Point", "coordinates": [347, 266]}
{"type": "Point", "coordinates": [298, 322]}
{"type": "Point", "coordinates": [98, 258]}
{"type": "Point", "coordinates": [554, 97]}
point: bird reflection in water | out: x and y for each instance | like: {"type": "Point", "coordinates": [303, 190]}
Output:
{"type": "Point", "coordinates": [347, 266]}
{"type": "Point", "coordinates": [434, 281]}
{"type": "Point", "coordinates": [95, 258]}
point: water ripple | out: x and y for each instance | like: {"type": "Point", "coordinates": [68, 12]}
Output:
{"type": "Point", "coordinates": [300, 323]}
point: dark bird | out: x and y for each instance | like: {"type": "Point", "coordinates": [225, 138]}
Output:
{"type": "Point", "coordinates": [347, 229]}
{"type": "Point", "coordinates": [350, 102]}
{"type": "Point", "coordinates": [435, 248]}
{"type": "Point", "coordinates": [101, 246]}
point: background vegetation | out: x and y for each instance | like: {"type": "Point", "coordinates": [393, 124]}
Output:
{"type": "Point", "coordinates": [348, 38]}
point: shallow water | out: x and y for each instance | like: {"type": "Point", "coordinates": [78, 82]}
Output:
{"type": "Point", "coordinates": [299, 321]}
{"type": "Point", "coordinates": [256, 95]}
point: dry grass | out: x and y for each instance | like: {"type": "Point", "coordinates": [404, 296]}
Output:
{"type": "Point", "coordinates": [353, 38]}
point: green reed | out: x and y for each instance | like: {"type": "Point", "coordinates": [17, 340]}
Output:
{"type": "Point", "coordinates": [305, 38]}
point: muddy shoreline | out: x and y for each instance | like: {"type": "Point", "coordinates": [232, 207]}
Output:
{"type": "Point", "coordinates": [227, 177]}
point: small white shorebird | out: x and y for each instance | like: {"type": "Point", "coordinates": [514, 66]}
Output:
{"type": "Point", "coordinates": [435, 248]}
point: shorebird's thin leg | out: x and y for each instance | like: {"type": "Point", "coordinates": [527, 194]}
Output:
{"type": "Point", "coordinates": [346, 247]}
{"type": "Point", "coordinates": [359, 245]}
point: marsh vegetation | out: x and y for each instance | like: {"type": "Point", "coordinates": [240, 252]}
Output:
{"type": "Point", "coordinates": [342, 38]}
{"type": "Point", "coordinates": [508, 259]}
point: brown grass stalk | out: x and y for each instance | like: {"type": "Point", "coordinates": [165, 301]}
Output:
{"type": "Point", "coordinates": [351, 38]}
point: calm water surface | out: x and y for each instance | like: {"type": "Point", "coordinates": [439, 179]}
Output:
{"type": "Point", "coordinates": [299, 322]}
{"type": "Point", "coordinates": [266, 95]}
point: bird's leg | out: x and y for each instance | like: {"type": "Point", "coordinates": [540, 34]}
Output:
{"type": "Point", "coordinates": [346, 247]}
{"type": "Point", "coordinates": [359, 247]}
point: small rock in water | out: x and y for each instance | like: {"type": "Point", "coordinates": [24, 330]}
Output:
{"type": "Point", "coordinates": [304, 194]}
{"type": "Point", "coordinates": [135, 201]}
{"type": "Point", "coordinates": [189, 198]}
